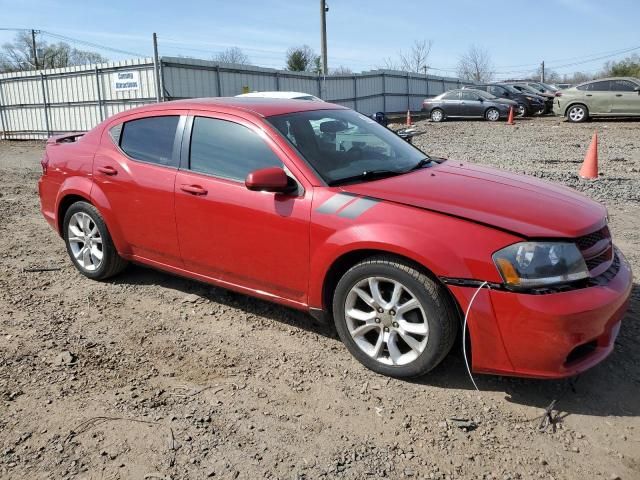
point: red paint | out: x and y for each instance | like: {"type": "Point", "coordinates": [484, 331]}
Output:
{"type": "Point", "coordinates": [449, 218]}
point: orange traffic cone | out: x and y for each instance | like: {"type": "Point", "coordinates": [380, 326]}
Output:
{"type": "Point", "coordinates": [589, 169]}
{"type": "Point", "coordinates": [510, 119]}
{"type": "Point", "coordinates": [408, 118]}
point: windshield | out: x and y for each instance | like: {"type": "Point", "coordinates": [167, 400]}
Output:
{"type": "Point", "coordinates": [511, 89]}
{"type": "Point", "coordinates": [345, 146]}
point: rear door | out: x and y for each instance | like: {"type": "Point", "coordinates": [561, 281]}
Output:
{"type": "Point", "coordinates": [255, 240]}
{"type": "Point", "coordinates": [451, 104]}
{"type": "Point", "coordinates": [134, 172]}
{"type": "Point", "coordinates": [625, 99]}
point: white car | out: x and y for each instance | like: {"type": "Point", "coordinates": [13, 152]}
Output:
{"type": "Point", "coordinates": [289, 95]}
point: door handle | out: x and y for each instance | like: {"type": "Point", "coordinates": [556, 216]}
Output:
{"type": "Point", "coordinates": [108, 170]}
{"type": "Point", "coordinates": [618, 94]}
{"type": "Point", "coordinates": [193, 189]}
{"type": "Point", "coordinates": [589, 95]}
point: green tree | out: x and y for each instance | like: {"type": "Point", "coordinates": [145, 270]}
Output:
{"type": "Point", "coordinates": [302, 59]}
{"type": "Point", "coordinates": [628, 67]}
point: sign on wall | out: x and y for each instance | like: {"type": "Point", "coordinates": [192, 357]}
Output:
{"type": "Point", "coordinates": [123, 81]}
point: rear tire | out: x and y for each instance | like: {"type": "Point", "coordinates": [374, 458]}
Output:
{"type": "Point", "coordinates": [577, 113]}
{"type": "Point", "coordinates": [89, 243]}
{"type": "Point", "coordinates": [405, 334]}
{"type": "Point", "coordinates": [437, 115]}
{"type": "Point", "coordinates": [492, 114]}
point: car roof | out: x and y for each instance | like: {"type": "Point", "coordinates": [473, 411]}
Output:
{"type": "Point", "coordinates": [263, 107]}
{"type": "Point", "coordinates": [293, 95]}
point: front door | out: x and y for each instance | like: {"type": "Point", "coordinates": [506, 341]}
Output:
{"type": "Point", "coordinates": [134, 171]}
{"type": "Point", "coordinates": [470, 104]}
{"type": "Point", "coordinates": [255, 240]}
{"type": "Point", "coordinates": [625, 99]}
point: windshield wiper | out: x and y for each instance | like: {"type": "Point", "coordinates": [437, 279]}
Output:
{"type": "Point", "coordinates": [422, 163]}
{"type": "Point", "coordinates": [366, 175]}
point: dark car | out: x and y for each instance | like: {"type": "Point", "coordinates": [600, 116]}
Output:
{"type": "Point", "coordinates": [527, 103]}
{"type": "Point", "coordinates": [525, 88]}
{"type": "Point", "coordinates": [467, 103]}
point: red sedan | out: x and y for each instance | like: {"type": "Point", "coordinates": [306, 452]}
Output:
{"type": "Point", "coordinates": [318, 207]}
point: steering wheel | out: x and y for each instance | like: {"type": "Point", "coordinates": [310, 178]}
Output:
{"type": "Point", "coordinates": [354, 153]}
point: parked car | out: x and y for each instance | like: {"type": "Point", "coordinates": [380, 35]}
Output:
{"type": "Point", "coordinates": [466, 103]}
{"type": "Point", "coordinates": [525, 88]}
{"type": "Point", "coordinates": [317, 207]}
{"type": "Point", "coordinates": [283, 95]}
{"type": "Point", "coordinates": [527, 104]}
{"type": "Point", "coordinates": [610, 97]}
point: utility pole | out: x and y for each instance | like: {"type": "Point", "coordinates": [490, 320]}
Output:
{"type": "Point", "coordinates": [33, 46]}
{"type": "Point", "coordinates": [156, 66]}
{"type": "Point", "coordinates": [542, 73]}
{"type": "Point", "coordinates": [323, 34]}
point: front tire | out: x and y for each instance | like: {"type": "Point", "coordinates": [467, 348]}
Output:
{"type": "Point", "coordinates": [492, 114]}
{"type": "Point", "coordinates": [437, 115]}
{"type": "Point", "coordinates": [577, 113]}
{"type": "Point", "coordinates": [394, 319]}
{"type": "Point", "coordinates": [89, 243]}
{"type": "Point", "coordinates": [521, 110]}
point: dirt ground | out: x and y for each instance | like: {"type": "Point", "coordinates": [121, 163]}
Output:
{"type": "Point", "coordinates": [153, 376]}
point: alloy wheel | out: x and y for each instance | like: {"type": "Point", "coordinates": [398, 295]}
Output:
{"type": "Point", "coordinates": [493, 115]}
{"type": "Point", "coordinates": [576, 114]}
{"type": "Point", "coordinates": [437, 115]}
{"type": "Point", "coordinates": [386, 321]}
{"type": "Point", "coordinates": [85, 241]}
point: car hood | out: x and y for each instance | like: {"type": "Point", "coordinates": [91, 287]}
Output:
{"type": "Point", "coordinates": [520, 204]}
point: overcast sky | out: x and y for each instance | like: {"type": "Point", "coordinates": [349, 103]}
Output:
{"type": "Point", "coordinates": [518, 33]}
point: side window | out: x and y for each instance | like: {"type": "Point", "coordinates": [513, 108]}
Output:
{"type": "Point", "coordinates": [150, 139]}
{"type": "Point", "coordinates": [228, 150]}
{"type": "Point", "coordinates": [496, 91]}
{"type": "Point", "coordinates": [599, 86]}
{"type": "Point", "coordinates": [622, 86]}
{"type": "Point", "coordinates": [470, 96]}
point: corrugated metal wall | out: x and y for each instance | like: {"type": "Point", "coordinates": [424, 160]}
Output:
{"type": "Point", "coordinates": [43, 103]}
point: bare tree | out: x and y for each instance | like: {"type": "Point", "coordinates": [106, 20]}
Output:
{"type": "Point", "coordinates": [416, 58]}
{"type": "Point", "coordinates": [389, 63]}
{"type": "Point", "coordinates": [341, 70]}
{"type": "Point", "coordinates": [232, 55]}
{"type": "Point", "coordinates": [475, 65]}
{"type": "Point", "coordinates": [302, 59]}
{"type": "Point", "coordinates": [18, 55]}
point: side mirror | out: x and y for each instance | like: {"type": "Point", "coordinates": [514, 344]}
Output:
{"type": "Point", "coordinates": [271, 179]}
{"type": "Point", "coordinates": [481, 99]}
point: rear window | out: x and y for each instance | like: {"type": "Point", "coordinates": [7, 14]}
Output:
{"type": "Point", "coordinates": [150, 139]}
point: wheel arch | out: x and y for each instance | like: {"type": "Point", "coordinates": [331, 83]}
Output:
{"type": "Point", "coordinates": [63, 205]}
{"type": "Point", "coordinates": [573, 103]}
{"type": "Point", "coordinates": [351, 258]}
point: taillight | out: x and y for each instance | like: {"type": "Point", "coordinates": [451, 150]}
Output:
{"type": "Point", "coordinates": [45, 164]}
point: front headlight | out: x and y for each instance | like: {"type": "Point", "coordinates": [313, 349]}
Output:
{"type": "Point", "coordinates": [538, 264]}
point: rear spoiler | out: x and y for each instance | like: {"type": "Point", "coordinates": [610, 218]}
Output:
{"type": "Point", "coordinates": [66, 138]}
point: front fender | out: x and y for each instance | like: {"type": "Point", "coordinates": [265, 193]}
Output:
{"type": "Point", "coordinates": [446, 246]}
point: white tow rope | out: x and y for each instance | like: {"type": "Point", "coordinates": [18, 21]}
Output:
{"type": "Point", "coordinates": [464, 332]}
